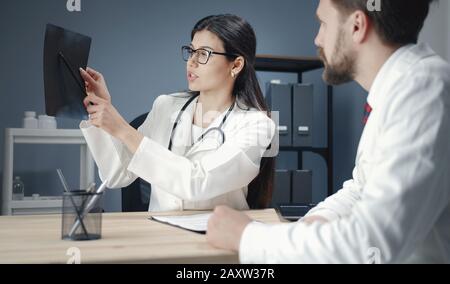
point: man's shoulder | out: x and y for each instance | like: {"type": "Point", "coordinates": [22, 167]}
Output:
{"type": "Point", "coordinates": [417, 85]}
{"type": "Point", "coordinates": [421, 60]}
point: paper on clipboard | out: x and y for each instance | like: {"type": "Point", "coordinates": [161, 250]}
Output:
{"type": "Point", "coordinates": [196, 223]}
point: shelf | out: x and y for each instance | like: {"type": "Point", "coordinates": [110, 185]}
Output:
{"type": "Point", "coordinates": [321, 151]}
{"type": "Point", "coordinates": [274, 63]}
{"type": "Point", "coordinates": [45, 136]}
{"type": "Point", "coordinates": [30, 206]}
{"type": "Point", "coordinates": [310, 149]}
{"type": "Point", "coordinates": [36, 203]}
{"type": "Point", "coordinates": [41, 136]}
{"type": "Point", "coordinates": [299, 65]}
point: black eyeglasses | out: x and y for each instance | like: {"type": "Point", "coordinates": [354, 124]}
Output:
{"type": "Point", "coordinates": [202, 55]}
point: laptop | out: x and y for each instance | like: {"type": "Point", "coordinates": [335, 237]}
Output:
{"type": "Point", "coordinates": [293, 211]}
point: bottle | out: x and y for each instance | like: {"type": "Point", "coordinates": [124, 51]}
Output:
{"type": "Point", "coordinates": [18, 189]}
{"type": "Point", "coordinates": [30, 121]}
{"type": "Point", "coordinates": [47, 122]}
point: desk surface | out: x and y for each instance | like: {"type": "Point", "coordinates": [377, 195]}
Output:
{"type": "Point", "coordinates": [126, 238]}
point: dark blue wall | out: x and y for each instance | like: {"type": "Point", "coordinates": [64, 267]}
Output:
{"type": "Point", "coordinates": [136, 45]}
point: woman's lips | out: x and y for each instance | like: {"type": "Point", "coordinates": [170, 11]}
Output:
{"type": "Point", "coordinates": [191, 77]}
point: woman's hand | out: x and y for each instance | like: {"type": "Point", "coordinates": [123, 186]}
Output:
{"type": "Point", "coordinates": [98, 103]}
{"type": "Point", "coordinates": [95, 83]}
{"type": "Point", "coordinates": [104, 115]}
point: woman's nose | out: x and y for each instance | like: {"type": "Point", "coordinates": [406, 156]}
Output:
{"type": "Point", "coordinates": [192, 61]}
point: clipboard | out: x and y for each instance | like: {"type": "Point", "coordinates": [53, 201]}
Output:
{"type": "Point", "coordinates": [196, 223]}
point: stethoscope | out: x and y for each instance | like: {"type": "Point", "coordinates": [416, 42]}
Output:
{"type": "Point", "coordinates": [219, 128]}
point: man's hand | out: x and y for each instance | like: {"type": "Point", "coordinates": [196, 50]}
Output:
{"type": "Point", "coordinates": [225, 228]}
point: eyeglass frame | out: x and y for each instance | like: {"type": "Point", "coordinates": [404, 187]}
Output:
{"type": "Point", "coordinates": [210, 52]}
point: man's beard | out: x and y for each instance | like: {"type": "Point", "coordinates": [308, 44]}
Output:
{"type": "Point", "coordinates": [343, 70]}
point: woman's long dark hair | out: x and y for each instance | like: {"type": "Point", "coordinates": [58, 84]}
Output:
{"type": "Point", "coordinates": [238, 37]}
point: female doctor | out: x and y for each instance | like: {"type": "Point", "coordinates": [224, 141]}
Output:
{"type": "Point", "coordinates": [197, 149]}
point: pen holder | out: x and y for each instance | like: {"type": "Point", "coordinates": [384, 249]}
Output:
{"type": "Point", "coordinates": [81, 216]}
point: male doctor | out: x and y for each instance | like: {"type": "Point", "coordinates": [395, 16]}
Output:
{"type": "Point", "coordinates": [396, 209]}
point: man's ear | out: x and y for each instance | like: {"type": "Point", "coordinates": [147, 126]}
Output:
{"type": "Point", "coordinates": [238, 65]}
{"type": "Point", "coordinates": [360, 25]}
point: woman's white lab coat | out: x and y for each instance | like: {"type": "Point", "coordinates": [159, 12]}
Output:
{"type": "Point", "coordinates": [197, 177]}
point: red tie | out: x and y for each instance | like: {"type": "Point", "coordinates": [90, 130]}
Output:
{"type": "Point", "coordinates": [367, 111]}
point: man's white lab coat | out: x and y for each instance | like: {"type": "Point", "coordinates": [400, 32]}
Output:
{"type": "Point", "coordinates": [396, 209]}
{"type": "Point", "coordinates": [198, 177]}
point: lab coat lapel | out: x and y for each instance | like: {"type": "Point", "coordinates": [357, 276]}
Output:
{"type": "Point", "coordinates": [182, 135]}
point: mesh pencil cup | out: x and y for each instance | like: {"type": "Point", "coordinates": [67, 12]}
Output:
{"type": "Point", "coordinates": [81, 216]}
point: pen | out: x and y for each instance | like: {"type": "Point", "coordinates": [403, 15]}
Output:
{"type": "Point", "coordinates": [89, 207]}
{"type": "Point", "coordinates": [90, 187]}
{"type": "Point", "coordinates": [66, 189]}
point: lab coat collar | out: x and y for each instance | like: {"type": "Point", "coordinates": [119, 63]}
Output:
{"type": "Point", "coordinates": [375, 94]}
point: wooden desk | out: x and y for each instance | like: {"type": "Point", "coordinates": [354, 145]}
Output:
{"type": "Point", "coordinates": [126, 238]}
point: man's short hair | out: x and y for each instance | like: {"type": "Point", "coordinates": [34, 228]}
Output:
{"type": "Point", "coordinates": [397, 22]}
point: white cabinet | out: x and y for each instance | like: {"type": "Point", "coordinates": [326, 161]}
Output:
{"type": "Point", "coordinates": [44, 205]}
